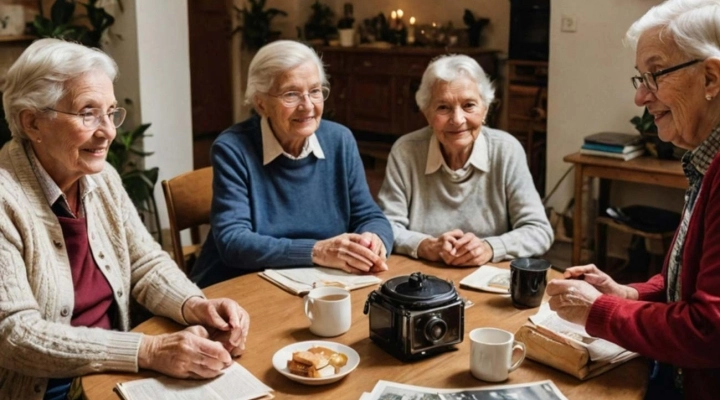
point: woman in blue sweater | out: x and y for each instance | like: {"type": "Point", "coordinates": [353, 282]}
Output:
{"type": "Point", "coordinates": [289, 189]}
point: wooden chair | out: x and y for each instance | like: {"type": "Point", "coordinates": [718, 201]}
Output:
{"type": "Point", "coordinates": [188, 198]}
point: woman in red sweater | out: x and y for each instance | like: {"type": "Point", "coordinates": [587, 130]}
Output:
{"type": "Point", "coordinates": [674, 317]}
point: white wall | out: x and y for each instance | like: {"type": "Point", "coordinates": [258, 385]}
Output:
{"type": "Point", "coordinates": [153, 58]}
{"type": "Point", "coordinates": [590, 91]}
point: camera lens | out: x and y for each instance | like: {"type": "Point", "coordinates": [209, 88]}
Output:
{"type": "Point", "coordinates": [435, 329]}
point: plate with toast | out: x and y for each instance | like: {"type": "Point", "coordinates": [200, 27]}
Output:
{"type": "Point", "coordinates": [315, 362]}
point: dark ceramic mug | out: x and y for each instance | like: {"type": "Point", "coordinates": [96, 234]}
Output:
{"type": "Point", "coordinates": [528, 278]}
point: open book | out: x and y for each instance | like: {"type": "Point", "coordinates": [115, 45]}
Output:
{"type": "Point", "coordinates": [300, 281]}
{"type": "Point", "coordinates": [489, 279]}
{"type": "Point", "coordinates": [545, 390]}
{"type": "Point", "coordinates": [236, 383]}
{"type": "Point", "coordinates": [566, 346]}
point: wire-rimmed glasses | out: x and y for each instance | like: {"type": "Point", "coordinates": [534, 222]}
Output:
{"type": "Point", "coordinates": [649, 79]}
{"type": "Point", "coordinates": [92, 117]}
{"type": "Point", "coordinates": [293, 98]}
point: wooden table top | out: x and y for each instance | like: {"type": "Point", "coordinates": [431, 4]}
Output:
{"type": "Point", "coordinates": [278, 319]}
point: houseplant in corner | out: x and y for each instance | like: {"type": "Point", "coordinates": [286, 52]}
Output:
{"type": "Point", "coordinates": [255, 24]}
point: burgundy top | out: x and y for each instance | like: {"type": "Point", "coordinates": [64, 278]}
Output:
{"type": "Point", "coordinates": [93, 294]}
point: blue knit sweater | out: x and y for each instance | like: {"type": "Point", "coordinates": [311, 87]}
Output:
{"type": "Point", "coordinates": [271, 216]}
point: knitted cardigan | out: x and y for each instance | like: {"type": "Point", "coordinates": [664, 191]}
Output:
{"type": "Point", "coordinates": [684, 333]}
{"type": "Point", "coordinates": [36, 289]}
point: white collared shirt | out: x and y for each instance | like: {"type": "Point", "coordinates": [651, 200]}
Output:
{"type": "Point", "coordinates": [478, 159]}
{"type": "Point", "coordinates": [272, 148]}
{"type": "Point", "coordinates": [51, 190]}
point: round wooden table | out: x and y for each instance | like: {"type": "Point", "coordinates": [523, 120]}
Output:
{"type": "Point", "coordinates": [278, 319]}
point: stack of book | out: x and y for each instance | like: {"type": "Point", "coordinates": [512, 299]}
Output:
{"type": "Point", "coordinates": [624, 146]}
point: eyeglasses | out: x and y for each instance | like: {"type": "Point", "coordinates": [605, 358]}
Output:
{"type": "Point", "coordinates": [292, 99]}
{"type": "Point", "coordinates": [649, 79]}
{"type": "Point", "coordinates": [92, 117]}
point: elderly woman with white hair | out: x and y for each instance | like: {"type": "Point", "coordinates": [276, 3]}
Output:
{"type": "Point", "coordinates": [457, 191]}
{"type": "Point", "coordinates": [674, 317]}
{"type": "Point", "coordinates": [73, 250]}
{"type": "Point", "coordinates": [289, 188]}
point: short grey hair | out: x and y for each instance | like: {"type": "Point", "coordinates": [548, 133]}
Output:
{"type": "Point", "coordinates": [693, 24]}
{"type": "Point", "coordinates": [36, 81]}
{"type": "Point", "coordinates": [449, 68]}
{"type": "Point", "coordinates": [274, 59]}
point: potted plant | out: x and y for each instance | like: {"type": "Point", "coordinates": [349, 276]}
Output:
{"type": "Point", "coordinates": [125, 155]}
{"type": "Point", "coordinates": [320, 24]}
{"type": "Point", "coordinates": [62, 22]}
{"type": "Point", "coordinates": [255, 24]}
{"type": "Point", "coordinates": [345, 27]}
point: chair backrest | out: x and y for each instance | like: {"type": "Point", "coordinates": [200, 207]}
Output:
{"type": "Point", "coordinates": [188, 198]}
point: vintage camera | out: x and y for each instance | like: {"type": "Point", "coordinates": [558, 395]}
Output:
{"type": "Point", "coordinates": [415, 316]}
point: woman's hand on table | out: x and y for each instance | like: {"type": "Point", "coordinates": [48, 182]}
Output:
{"type": "Point", "coordinates": [373, 242]}
{"type": "Point", "coordinates": [350, 252]}
{"type": "Point", "coordinates": [470, 251]}
{"type": "Point", "coordinates": [227, 322]}
{"type": "Point", "coordinates": [601, 281]}
{"type": "Point", "coordinates": [439, 249]}
{"type": "Point", "coordinates": [456, 249]}
{"type": "Point", "coordinates": [185, 354]}
{"type": "Point", "coordinates": [571, 299]}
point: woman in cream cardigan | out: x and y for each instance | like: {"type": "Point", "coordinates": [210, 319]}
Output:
{"type": "Point", "coordinates": [73, 249]}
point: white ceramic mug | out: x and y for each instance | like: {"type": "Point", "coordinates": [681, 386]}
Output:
{"type": "Point", "coordinates": [328, 309]}
{"type": "Point", "coordinates": [491, 354]}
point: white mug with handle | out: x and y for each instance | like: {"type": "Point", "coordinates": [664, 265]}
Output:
{"type": "Point", "coordinates": [492, 352]}
{"type": "Point", "coordinates": [329, 311]}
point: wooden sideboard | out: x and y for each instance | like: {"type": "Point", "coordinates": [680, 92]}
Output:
{"type": "Point", "coordinates": [373, 90]}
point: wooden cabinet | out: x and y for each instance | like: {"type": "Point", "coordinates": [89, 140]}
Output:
{"type": "Point", "coordinates": [526, 113]}
{"type": "Point", "coordinates": [373, 90]}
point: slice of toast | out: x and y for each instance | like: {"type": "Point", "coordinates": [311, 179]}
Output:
{"type": "Point", "coordinates": [305, 357]}
{"type": "Point", "coordinates": [297, 368]}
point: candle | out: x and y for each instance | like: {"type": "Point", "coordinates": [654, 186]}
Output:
{"type": "Point", "coordinates": [393, 15]}
{"type": "Point", "coordinates": [393, 19]}
{"type": "Point", "coordinates": [399, 13]}
{"type": "Point", "coordinates": [411, 31]}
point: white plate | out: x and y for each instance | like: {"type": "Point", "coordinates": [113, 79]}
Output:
{"type": "Point", "coordinates": [282, 356]}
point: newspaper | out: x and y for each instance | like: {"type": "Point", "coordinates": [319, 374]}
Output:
{"type": "Point", "coordinates": [599, 350]}
{"type": "Point", "coordinates": [489, 279]}
{"type": "Point", "coordinates": [300, 281]}
{"type": "Point", "coordinates": [236, 383]}
{"type": "Point", "coordinates": [543, 390]}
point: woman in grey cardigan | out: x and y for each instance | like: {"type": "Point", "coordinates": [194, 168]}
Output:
{"type": "Point", "coordinates": [456, 191]}
{"type": "Point", "coordinates": [73, 249]}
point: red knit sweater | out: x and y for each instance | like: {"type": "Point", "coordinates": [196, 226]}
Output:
{"type": "Point", "coordinates": [684, 333]}
{"type": "Point", "coordinates": [93, 295]}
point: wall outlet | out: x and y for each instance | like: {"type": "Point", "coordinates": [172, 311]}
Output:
{"type": "Point", "coordinates": [568, 24]}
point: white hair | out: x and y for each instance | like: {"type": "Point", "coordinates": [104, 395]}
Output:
{"type": "Point", "coordinates": [694, 25]}
{"type": "Point", "coordinates": [274, 59]}
{"type": "Point", "coordinates": [36, 81]}
{"type": "Point", "coordinates": [449, 68]}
